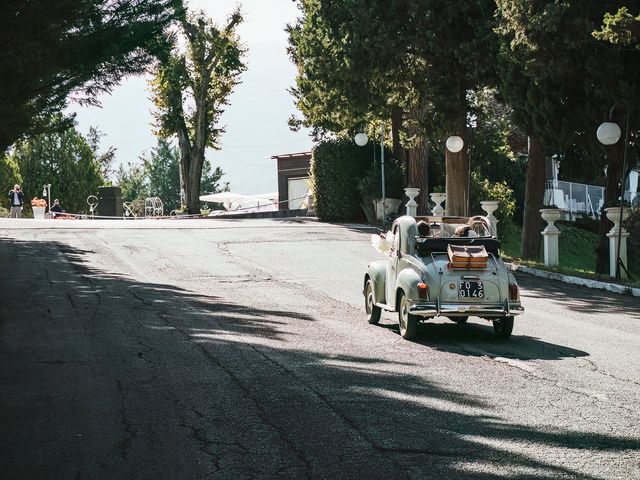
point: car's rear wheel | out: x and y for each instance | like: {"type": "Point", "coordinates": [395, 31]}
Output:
{"type": "Point", "coordinates": [459, 319]}
{"type": "Point", "coordinates": [503, 327]}
{"type": "Point", "coordinates": [408, 323]}
{"type": "Point", "coordinates": [373, 312]}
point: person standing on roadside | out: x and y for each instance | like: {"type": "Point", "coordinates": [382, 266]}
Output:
{"type": "Point", "coordinates": [16, 199]}
{"type": "Point", "coordinates": [56, 209]}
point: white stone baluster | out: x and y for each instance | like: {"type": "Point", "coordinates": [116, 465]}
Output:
{"type": "Point", "coordinates": [412, 205]}
{"type": "Point", "coordinates": [613, 214]}
{"type": "Point", "coordinates": [438, 198]}
{"type": "Point", "coordinates": [491, 206]}
{"type": "Point", "coordinates": [551, 234]}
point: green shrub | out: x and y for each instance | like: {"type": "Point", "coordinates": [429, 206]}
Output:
{"type": "Point", "coordinates": [483, 189]}
{"type": "Point", "coordinates": [633, 247]}
{"type": "Point", "coordinates": [337, 167]}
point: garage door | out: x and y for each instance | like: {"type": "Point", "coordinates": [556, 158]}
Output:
{"type": "Point", "coordinates": [298, 189]}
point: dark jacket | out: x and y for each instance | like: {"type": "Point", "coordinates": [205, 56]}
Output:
{"type": "Point", "coordinates": [20, 197]}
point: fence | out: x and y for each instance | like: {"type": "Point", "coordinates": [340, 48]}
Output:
{"type": "Point", "coordinates": [574, 197]}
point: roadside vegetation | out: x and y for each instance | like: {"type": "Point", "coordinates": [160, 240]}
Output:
{"type": "Point", "coordinates": [519, 82]}
{"type": "Point", "coordinates": [82, 49]}
{"type": "Point", "coordinates": [577, 245]}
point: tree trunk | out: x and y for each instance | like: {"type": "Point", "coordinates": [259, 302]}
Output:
{"type": "Point", "coordinates": [418, 171]}
{"type": "Point", "coordinates": [184, 143]}
{"type": "Point", "coordinates": [611, 193]}
{"type": "Point", "coordinates": [418, 159]}
{"type": "Point", "coordinates": [192, 181]}
{"type": "Point", "coordinates": [398, 150]}
{"type": "Point", "coordinates": [457, 175]}
{"type": "Point", "coordinates": [533, 201]}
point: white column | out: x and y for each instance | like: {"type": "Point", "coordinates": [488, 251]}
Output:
{"type": "Point", "coordinates": [613, 214]}
{"type": "Point", "coordinates": [491, 206]}
{"type": "Point", "coordinates": [412, 205]}
{"type": "Point", "coordinates": [633, 184]}
{"type": "Point", "coordinates": [551, 234]}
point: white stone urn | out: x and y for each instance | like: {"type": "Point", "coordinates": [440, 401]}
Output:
{"type": "Point", "coordinates": [551, 215]}
{"type": "Point", "coordinates": [391, 206]}
{"type": "Point", "coordinates": [412, 205]}
{"type": "Point", "coordinates": [491, 206]}
{"type": "Point", "coordinates": [438, 198]}
{"type": "Point", "coordinates": [550, 236]}
{"type": "Point", "coordinates": [613, 214]}
{"type": "Point", "coordinates": [38, 212]}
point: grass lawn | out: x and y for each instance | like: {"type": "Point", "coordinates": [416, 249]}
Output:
{"type": "Point", "coordinates": [577, 252]}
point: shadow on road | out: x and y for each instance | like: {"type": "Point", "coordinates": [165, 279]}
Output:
{"type": "Point", "coordinates": [479, 339]}
{"type": "Point", "coordinates": [233, 396]}
{"type": "Point", "coordinates": [579, 298]}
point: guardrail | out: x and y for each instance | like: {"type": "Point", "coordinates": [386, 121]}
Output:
{"type": "Point", "coordinates": [574, 197]}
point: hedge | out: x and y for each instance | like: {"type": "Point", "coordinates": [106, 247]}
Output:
{"type": "Point", "coordinates": [336, 168]}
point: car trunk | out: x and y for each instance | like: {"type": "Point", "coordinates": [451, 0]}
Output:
{"type": "Point", "coordinates": [464, 285]}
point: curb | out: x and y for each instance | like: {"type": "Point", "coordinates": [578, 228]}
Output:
{"type": "Point", "coordinates": [584, 282]}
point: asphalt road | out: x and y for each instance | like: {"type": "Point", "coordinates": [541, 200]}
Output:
{"type": "Point", "coordinates": [239, 350]}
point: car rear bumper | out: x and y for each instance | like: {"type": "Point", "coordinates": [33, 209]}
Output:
{"type": "Point", "coordinates": [432, 309]}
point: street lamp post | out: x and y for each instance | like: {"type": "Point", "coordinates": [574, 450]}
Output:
{"type": "Point", "coordinates": [609, 133]}
{"type": "Point", "coordinates": [455, 144]}
{"type": "Point", "coordinates": [361, 140]}
{"type": "Point", "coordinates": [46, 193]}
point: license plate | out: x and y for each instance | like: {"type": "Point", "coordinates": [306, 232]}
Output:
{"type": "Point", "coordinates": [471, 289]}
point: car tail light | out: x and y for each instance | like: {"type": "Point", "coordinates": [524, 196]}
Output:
{"type": "Point", "coordinates": [423, 291]}
{"type": "Point", "coordinates": [514, 294]}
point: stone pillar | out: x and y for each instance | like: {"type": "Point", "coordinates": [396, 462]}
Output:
{"type": "Point", "coordinates": [613, 214]}
{"type": "Point", "coordinates": [438, 198]}
{"type": "Point", "coordinates": [491, 206]}
{"type": "Point", "coordinates": [551, 234]}
{"type": "Point", "coordinates": [412, 205]}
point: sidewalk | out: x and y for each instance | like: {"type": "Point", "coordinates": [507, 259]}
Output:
{"type": "Point", "coordinates": [585, 282]}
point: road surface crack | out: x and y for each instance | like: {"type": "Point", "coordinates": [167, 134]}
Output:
{"type": "Point", "coordinates": [597, 370]}
{"type": "Point", "coordinates": [130, 432]}
{"type": "Point", "coordinates": [347, 421]}
{"type": "Point", "coordinates": [262, 414]}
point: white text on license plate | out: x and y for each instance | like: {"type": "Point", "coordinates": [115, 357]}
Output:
{"type": "Point", "coordinates": [471, 289]}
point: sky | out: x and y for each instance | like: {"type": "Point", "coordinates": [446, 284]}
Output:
{"type": "Point", "coordinates": [256, 119]}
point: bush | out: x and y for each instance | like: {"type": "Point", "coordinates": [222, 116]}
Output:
{"type": "Point", "coordinates": [337, 167]}
{"type": "Point", "coordinates": [633, 247]}
{"type": "Point", "coordinates": [483, 189]}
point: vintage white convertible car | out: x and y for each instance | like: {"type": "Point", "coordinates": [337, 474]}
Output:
{"type": "Point", "coordinates": [452, 268]}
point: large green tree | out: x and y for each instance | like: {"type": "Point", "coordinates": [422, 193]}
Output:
{"type": "Point", "coordinates": [158, 175]}
{"type": "Point", "coordinates": [353, 75]}
{"type": "Point", "coordinates": [162, 174]}
{"type": "Point", "coordinates": [51, 49]}
{"type": "Point", "coordinates": [621, 28]}
{"type": "Point", "coordinates": [133, 184]}
{"type": "Point", "coordinates": [408, 61]}
{"type": "Point", "coordinates": [191, 89]}
{"type": "Point", "coordinates": [63, 159]}
{"type": "Point", "coordinates": [561, 84]}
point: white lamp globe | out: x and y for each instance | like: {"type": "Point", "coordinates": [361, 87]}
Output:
{"type": "Point", "coordinates": [455, 144]}
{"type": "Point", "coordinates": [608, 133]}
{"type": "Point", "coordinates": [361, 139]}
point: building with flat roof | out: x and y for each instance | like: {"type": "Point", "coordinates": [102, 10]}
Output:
{"type": "Point", "coordinates": [293, 179]}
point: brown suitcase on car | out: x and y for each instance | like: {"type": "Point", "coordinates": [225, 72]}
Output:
{"type": "Point", "coordinates": [468, 256]}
